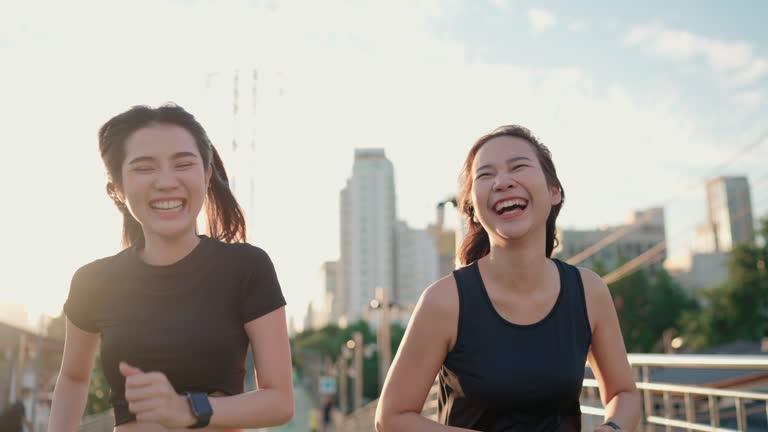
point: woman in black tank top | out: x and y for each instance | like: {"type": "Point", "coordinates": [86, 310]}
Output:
{"type": "Point", "coordinates": [508, 334]}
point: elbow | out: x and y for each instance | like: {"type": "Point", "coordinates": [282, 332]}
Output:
{"type": "Point", "coordinates": [286, 411]}
{"type": "Point", "coordinates": [383, 421]}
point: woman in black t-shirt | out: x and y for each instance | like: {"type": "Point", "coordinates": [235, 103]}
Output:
{"type": "Point", "coordinates": [175, 311]}
{"type": "Point", "coordinates": [509, 333]}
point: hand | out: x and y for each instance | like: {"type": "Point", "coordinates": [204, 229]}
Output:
{"type": "Point", "coordinates": [152, 399]}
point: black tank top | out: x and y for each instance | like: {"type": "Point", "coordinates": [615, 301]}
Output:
{"type": "Point", "coordinates": [502, 376]}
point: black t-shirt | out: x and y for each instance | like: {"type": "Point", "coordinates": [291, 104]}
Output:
{"type": "Point", "coordinates": [10, 420]}
{"type": "Point", "coordinates": [185, 320]}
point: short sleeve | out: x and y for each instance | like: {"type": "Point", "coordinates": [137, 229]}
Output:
{"type": "Point", "coordinates": [79, 307]}
{"type": "Point", "coordinates": [261, 291]}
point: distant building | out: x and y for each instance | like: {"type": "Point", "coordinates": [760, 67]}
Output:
{"type": "Point", "coordinates": [417, 263]}
{"type": "Point", "coordinates": [368, 230]}
{"type": "Point", "coordinates": [642, 231]}
{"type": "Point", "coordinates": [729, 216]}
{"type": "Point", "coordinates": [729, 223]}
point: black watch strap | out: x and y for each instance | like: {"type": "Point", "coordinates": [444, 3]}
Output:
{"type": "Point", "coordinates": [612, 425]}
{"type": "Point", "coordinates": [201, 408]}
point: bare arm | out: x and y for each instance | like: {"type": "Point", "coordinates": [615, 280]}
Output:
{"type": "Point", "coordinates": [428, 338]}
{"type": "Point", "coordinates": [608, 357]}
{"type": "Point", "coordinates": [71, 391]}
{"type": "Point", "coordinates": [272, 404]}
{"type": "Point", "coordinates": [152, 398]}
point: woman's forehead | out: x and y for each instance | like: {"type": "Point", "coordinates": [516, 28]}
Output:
{"type": "Point", "coordinates": [498, 150]}
{"type": "Point", "coordinates": [160, 140]}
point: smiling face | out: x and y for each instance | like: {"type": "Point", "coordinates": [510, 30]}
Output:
{"type": "Point", "coordinates": [163, 180]}
{"type": "Point", "coordinates": [510, 194]}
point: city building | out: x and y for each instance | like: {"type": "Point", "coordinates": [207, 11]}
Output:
{"type": "Point", "coordinates": [642, 231]}
{"type": "Point", "coordinates": [417, 263]}
{"type": "Point", "coordinates": [729, 216]}
{"type": "Point", "coordinates": [368, 231]}
{"type": "Point", "coordinates": [729, 223]}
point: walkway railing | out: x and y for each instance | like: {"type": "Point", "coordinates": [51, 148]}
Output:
{"type": "Point", "coordinates": [666, 406]}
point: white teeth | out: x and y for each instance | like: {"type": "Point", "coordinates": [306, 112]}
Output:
{"type": "Point", "coordinates": [167, 205]}
{"type": "Point", "coordinates": [509, 203]}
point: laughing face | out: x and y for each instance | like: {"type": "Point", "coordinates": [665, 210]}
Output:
{"type": "Point", "coordinates": [510, 193]}
{"type": "Point", "coordinates": [164, 181]}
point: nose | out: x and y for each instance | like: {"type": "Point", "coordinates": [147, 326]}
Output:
{"type": "Point", "coordinates": [166, 179]}
{"type": "Point", "coordinates": [503, 181]}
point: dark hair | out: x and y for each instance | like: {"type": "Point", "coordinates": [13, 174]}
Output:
{"type": "Point", "coordinates": [476, 243]}
{"type": "Point", "coordinates": [225, 217]}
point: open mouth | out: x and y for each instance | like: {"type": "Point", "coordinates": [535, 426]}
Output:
{"type": "Point", "coordinates": [168, 206]}
{"type": "Point", "coordinates": [510, 206]}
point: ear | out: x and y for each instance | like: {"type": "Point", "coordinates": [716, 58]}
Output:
{"type": "Point", "coordinates": [556, 197]}
{"type": "Point", "coordinates": [209, 174]}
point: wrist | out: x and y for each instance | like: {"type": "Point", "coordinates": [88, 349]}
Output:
{"type": "Point", "coordinates": [610, 426]}
{"type": "Point", "coordinates": [186, 417]}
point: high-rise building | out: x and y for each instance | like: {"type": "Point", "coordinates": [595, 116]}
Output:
{"type": "Point", "coordinates": [642, 231]}
{"type": "Point", "coordinates": [417, 263]}
{"type": "Point", "coordinates": [729, 215]}
{"type": "Point", "coordinates": [367, 232]}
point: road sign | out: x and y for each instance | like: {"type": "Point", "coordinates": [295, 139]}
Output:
{"type": "Point", "coordinates": [327, 385]}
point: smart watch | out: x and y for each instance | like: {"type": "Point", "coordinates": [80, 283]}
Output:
{"type": "Point", "coordinates": [201, 408]}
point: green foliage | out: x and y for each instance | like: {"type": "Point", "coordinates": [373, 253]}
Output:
{"type": "Point", "coordinates": [737, 309]}
{"type": "Point", "coordinates": [647, 305]}
{"type": "Point", "coordinates": [328, 342]}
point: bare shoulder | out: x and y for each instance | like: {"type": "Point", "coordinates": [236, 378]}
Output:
{"type": "Point", "coordinates": [441, 298]}
{"type": "Point", "coordinates": [597, 296]}
{"type": "Point", "coordinates": [595, 288]}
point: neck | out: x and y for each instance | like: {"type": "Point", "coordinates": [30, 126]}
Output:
{"type": "Point", "coordinates": [161, 251]}
{"type": "Point", "coordinates": [519, 265]}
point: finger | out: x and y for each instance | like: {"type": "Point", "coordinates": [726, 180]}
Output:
{"type": "Point", "coordinates": [134, 394]}
{"type": "Point", "coordinates": [128, 370]}
{"type": "Point", "coordinates": [145, 379]}
{"type": "Point", "coordinates": [143, 406]}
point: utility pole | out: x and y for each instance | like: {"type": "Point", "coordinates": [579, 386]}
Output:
{"type": "Point", "coordinates": [357, 338]}
{"type": "Point", "coordinates": [383, 336]}
{"type": "Point", "coordinates": [343, 393]}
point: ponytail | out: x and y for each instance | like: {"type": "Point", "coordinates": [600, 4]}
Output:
{"type": "Point", "coordinates": [226, 221]}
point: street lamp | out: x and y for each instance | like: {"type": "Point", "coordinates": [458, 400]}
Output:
{"type": "Point", "coordinates": [383, 337]}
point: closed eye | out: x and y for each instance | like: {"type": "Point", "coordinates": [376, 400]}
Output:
{"type": "Point", "coordinates": [185, 165]}
{"type": "Point", "coordinates": [481, 175]}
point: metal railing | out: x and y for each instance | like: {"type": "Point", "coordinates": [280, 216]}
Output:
{"type": "Point", "coordinates": [689, 407]}
{"type": "Point", "coordinates": [666, 406]}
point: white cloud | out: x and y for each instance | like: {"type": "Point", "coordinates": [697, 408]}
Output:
{"type": "Point", "coordinates": [736, 59]}
{"type": "Point", "coordinates": [541, 20]}
{"type": "Point", "coordinates": [577, 26]}
{"type": "Point", "coordinates": [502, 4]}
{"type": "Point", "coordinates": [748, 99]}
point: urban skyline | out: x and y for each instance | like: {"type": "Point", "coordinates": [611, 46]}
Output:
{"type": "Point", "coordinates": [639, 103]}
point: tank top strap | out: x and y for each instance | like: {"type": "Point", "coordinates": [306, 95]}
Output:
{"type": "Point", "coordinates": [472, 304]}
{"type": "Point", "coordinates": [574, 293]}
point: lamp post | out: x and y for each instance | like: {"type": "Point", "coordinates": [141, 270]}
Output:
{"type": "Point", "coordinates": [383, 336]}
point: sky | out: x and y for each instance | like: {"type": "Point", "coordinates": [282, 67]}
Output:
{"type": "Point", "coordinates": [638, 102]}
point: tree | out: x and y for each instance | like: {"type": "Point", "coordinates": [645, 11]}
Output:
{"type": "Point", "coordinates": [737, 309]}
{"type": "Point", "coordinates": [648, 304]}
